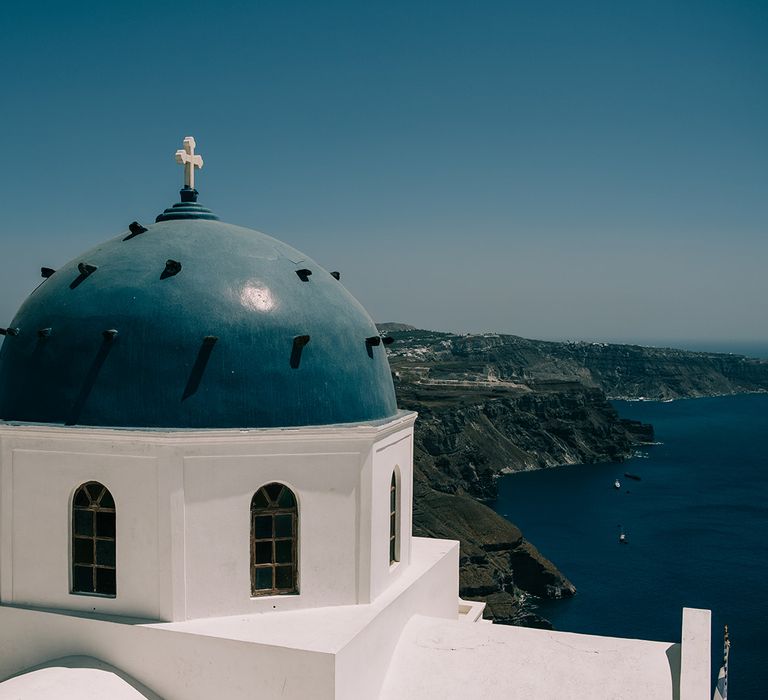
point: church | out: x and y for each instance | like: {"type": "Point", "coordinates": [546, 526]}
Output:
{"type": "Point", "coordinates": [206, 493]}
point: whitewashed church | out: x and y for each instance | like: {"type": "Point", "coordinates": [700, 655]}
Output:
{"type": "Point", "coordinates": [205, 493]}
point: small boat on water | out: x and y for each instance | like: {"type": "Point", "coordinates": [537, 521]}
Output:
{"type": "Point", "coordinates": [617, 484]}
{"type": "Point", "coordinates": [632, 476]}
{"type": "Point", "coordinates": [622, 536]}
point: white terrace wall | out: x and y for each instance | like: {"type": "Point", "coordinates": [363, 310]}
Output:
{"type": "Point", "coordinates": [175, 665]}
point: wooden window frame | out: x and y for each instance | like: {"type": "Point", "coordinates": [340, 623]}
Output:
{"type": "Point", "coordinates": [273, 510]}
{"type": "Point", "coordinates": [394, 517]}
{"type": "Point", "coordinates": [100, 584]}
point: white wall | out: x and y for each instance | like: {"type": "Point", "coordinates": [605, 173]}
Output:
{"type": "Point", "coordinates": [393, 452]}
{"type": "Point", "coordinates": [175, 665]}
{"type": "Point", "coordinates": [362, 665]}
{"type": "Point", "coordinates": [183, 514]}
{"type": "Point", "coordinates": [37, 529]}
{"type": "Point", "coordinates": [218, 492]}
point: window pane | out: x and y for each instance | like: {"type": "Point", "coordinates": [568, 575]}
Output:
{"type": "Point", "coordinates": [284, 525]}
{"type": "Point", "coordinates": [105, 552]}
{"type": "Point", "coordinates": [81, 498]}
{"type": "Point", "coordinates": [273, 490]}
{"type": "Point", "coordinates": [392, 553]}
{"type": "Point", "coordinates": [83, 551]}
{"type": "Point", "coordinates": [83, 522]}
{"type": "Point", "coordinates": [392, 500]}
{"type": "Point", "coordinates": [284, 551]}
{"type": "Point", "coordinates": [262, 527]}
{"type": "Point", "coordinates": [263, 579]}
{"type": "Point", "coordinates": [284, 577]}
{"type": "Point", "coordinates": [286, 499]}
{"type": "Point", "coordinates": [259, 500]}
{"type": "Point", "coordinates": [94, 490]}
{"type": "Point", "coordinates": [263, 552]}
{"type": "Point", "coordinates": [106, 500]}
{"type": "Point", "coordinates": [105, 581]}
{"type": "Point", "coordinates": [105, 524]}
{"type": "Point", "coordinates": [82, 579]}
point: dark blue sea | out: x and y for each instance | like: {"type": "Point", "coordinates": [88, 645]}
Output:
{"type": "Point", "coordinates": [697, 526]}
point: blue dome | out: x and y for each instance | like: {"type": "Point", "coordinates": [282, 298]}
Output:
{"type": "Point", "coordinates": [193, 323]}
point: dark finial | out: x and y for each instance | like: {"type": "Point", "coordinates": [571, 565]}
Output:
{"type": "Point", "coordinates": [136, 229]}
{"type": "Point", "coordinates": [86, 269]}
{"type": "Point", "coordinates": [109, 334]}
{"type": "Point", "coordinates": [388, 340]}
{"type": "Point", "coordinates": [172, 267]}
{"type": "Point", "coordinates": [9, 331]}
{"type": "Point", "coordinates": [46, 272]}
{"type": "Point", "coordinates": [44, 333]}
{"type": "Point", "coordinates": [210, 339]}
{"type": "Point", "coordinates": [188, 194]}
{"type": "Point", "coordinates": [373, 340]}
{"type": "Point", "coordinates": [336, 275]}
{"type": "Point", "coordinates": [298, 345]}
{"type": "Point", "coordinates": [304, 275]}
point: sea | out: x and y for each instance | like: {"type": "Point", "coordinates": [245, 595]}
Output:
{"type": "Point", "coordinates": [696, 525]}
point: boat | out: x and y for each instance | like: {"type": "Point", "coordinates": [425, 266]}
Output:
{"type": "Point", "coordinates": [617, 484]}
{"type": "Point", "coordinates": [622, 536]}
{"type": "Point", "coordinates": [632, 476]}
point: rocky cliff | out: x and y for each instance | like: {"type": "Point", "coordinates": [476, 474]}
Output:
{"type": "Point", "coordinates": [494, 404]}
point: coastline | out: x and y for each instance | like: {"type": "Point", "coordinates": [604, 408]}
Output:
{"type": "Point", "coordinates": [693, 521]}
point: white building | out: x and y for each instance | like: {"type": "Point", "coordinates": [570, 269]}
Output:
{"type": "Point", "coordinates": [205, 492]}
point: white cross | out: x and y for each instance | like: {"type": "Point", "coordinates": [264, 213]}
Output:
{"type": "Point", "coordinates": [190, 161]}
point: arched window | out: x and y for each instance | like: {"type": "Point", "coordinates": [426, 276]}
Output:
{"type": "Point", "coordinates": [274, 541]}
{"type": "Point", "coordinates": [394, 502]}
{"type": "Point", "coordinates": [93, 540]}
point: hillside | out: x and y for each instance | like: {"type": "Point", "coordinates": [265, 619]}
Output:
{"type": "Point", "coordinates": [495, 404]}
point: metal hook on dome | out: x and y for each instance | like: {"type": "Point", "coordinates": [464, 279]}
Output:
{"type": "Point", "coordinates": [9, 331]}
{"type": "Point", "coordinates": [46, 272]}
{"type": "Point", "coordinates": [172, 267]}
{"type": "Point", "coordinates": [336, 275]}
{"type": "Point", "coordinates": [135, 229]}
{"type": "Point", "coordinates": [44, 332]}
{"type": "Point", "coordinates": [298, 345]}
{"type": "Point", "coordinates": [201, 361]}
{"type": "Point", "coordinates": [86, 270]}
{"type": "Point", "coordinates": [304, 274]}
{"type": "Point", "coordinates": [90, 378]}
{"type": "Point", "coordinates": [371, 343]}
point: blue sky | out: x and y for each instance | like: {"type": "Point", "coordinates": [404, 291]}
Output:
{"type": "Point", "coordinates": [593, 170]}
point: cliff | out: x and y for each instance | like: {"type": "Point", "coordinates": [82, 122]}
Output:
{"type": "Point", "coordinates": [494, 404]}
{"type": "Point", "coordinates": [621, 371]}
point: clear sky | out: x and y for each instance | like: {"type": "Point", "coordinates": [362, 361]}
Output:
{"type": "Point", "coordinates": [594, 170]}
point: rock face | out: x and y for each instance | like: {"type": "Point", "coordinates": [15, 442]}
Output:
{"type": "Point", "coordinates": [497, 564]}
{"type": "Point", "coordinates": [493, 404]}
{"type": "Point", "coordinates": [466, 438]}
